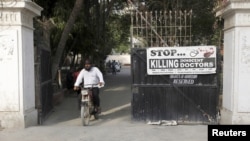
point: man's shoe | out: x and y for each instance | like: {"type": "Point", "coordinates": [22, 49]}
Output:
{"type": "Point", "coordinates": [98, 110]}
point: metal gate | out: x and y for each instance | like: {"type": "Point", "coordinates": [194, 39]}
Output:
{"type": "Point", "coordinates": [157, 97]}
{"type": "Point", "coordinates": [43, 75]}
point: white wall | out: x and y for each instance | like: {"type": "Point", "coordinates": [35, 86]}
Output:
{"type": "Point", "coordinates": [236, 67]}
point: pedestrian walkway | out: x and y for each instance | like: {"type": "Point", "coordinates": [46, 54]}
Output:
{"type": "Point", "coordinates": [115, 123]}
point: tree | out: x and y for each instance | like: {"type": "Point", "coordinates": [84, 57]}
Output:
{"type": "Point", "coordinates": [90, 26]}
{"type": "Point", "coordinates": [56, 63]}
{"type": "Point", "coordinates": [86, 35]}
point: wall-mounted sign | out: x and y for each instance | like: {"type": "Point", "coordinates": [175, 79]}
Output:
{"type": "Point", "coordinates": [181, 60]}
{"type": "Point", "coordinates": [183, 79]}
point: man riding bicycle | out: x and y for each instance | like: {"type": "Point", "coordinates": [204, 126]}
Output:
{"type": "Point", "coordinates": [89, 76]}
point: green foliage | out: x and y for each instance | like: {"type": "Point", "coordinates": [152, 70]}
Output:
{"type": "Point", "coordinates": [98, 31]}
{"type": "Point", "coordinates": [47, 5]}
{"type": "Point", "coordinates": [118, 30]}
{"type": "Point", "coordinates": [203, 19]}
{"type": "Point", "coordinates": [59, 16]}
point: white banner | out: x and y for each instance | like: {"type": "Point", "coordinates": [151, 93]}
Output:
{"type": "Point", "coordinates": [181, 60]}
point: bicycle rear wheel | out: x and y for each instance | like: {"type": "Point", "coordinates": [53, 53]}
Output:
{"type": "Point", "coordinates": [85, 115]}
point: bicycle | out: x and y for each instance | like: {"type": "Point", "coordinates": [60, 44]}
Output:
{"type": "Point", "coordinates": [87, 106]}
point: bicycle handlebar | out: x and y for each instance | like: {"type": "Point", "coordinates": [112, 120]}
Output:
{"type": "Point", "coordinates": [85, 86]}
{"type": "Point", "coordinates": [91, 85]}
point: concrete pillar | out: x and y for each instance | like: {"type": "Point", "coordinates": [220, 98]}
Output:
{"type": "Point", "coordinates": [236, 71]}
{"type": "Point", "coordinates": [17, 83]}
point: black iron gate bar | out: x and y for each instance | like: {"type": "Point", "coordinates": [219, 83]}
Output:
{"type": "Point", "coordinates": [147, 23]}
{"type": "Point", "coordinates": [162, 28]}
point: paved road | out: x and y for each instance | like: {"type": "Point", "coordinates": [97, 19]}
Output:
{"type": "Point", "coordinates": [115, 123]}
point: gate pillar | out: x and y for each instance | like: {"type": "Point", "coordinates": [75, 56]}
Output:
{"type": "Point", "coordinates": [17, 83]}
{"type": "Point", "coordinates": [236, 71]}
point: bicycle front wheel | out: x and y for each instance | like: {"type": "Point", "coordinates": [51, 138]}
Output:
{"type": "Point", "coordinates": [85, 115]}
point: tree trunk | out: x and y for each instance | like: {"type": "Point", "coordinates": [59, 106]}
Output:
{"type": "Point", "coordinates": [56, 63]}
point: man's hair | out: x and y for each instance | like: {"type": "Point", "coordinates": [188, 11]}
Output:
{"type": "Point", "coordinates": [87, 61]}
